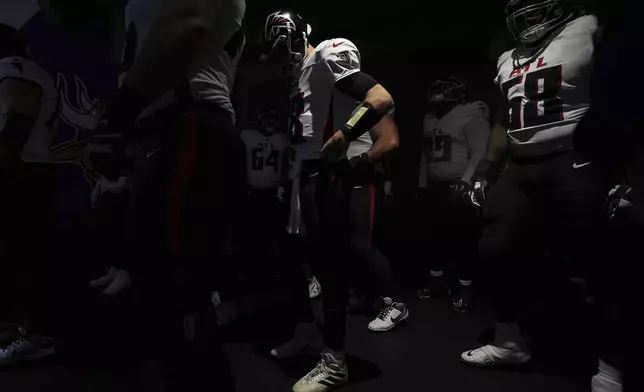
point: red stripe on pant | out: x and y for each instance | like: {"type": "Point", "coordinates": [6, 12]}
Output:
{"type": "Point", "coordinates": [372, 212]}
{"type": "Point", "coordinates": [187, 158]}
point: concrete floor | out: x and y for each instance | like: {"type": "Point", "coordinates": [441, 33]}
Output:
{"type": "Point", "coordinates": [422, 355]}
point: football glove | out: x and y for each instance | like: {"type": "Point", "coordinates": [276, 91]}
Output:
{"type": "Point", "coordinates": [114, 282]}
{"type": "Point", "coordinates": [480, 183]}
{"type": "Point", "coordinates": [360, 163]}
{"type": "Point", "coordinates": [618, 200]}
{"type": "Point", "coordinates": [105, 187]}
{"type": "Point", "coordinates": [461, 191]}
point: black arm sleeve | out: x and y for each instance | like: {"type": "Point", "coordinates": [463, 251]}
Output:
{"type": "Point", "coordinates": [356, 85]}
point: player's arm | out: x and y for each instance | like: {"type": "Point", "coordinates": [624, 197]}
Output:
{"type": "Point", "coordinates": [498, 141]}
{"type": "Point", "coordinates": [175, 37]}
{"type": "Point", "coordinates": [477, 132]}
{"type": "Point", "coordinates": [386, 138]}
{"type": "Point", "coordinates": [376, 103]}
{"type": "Point", "coordinates": [20, 105]}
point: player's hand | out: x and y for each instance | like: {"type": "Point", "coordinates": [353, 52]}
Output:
{"type": "Point", "coordinates": [279, 195]}
{"type": "Point", "coordinates": [360, 163]}
{"type": "Point", "coordinates": [335, 146]}
{"type": "Point", "coordinates": [105, 186]}
{"type": "Point", "coordinates": [479, 191]}
{"type": "Point", "coordinates": [461, 191]}
{"type": "Point", "coordinates": [618, 200]}
{"type": "Point", "coordinates": [106, 148]}
{"type": "Point", "coordinates": [114, 282]}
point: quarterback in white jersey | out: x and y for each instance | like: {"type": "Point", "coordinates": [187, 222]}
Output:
{"type": "Point", "coordinates": [265, 149]}
{"type": "Point", "coordinates": [335, 110]}
{"type": "Point", "coordinates": [548, 197]}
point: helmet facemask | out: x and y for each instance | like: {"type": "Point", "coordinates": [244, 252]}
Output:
{"type": "Point", "coordinates": [446, 94]}
{"type": "Point", "coordinates": [531, 23]}
{"type": "Point", "coordinates": [285, 38]}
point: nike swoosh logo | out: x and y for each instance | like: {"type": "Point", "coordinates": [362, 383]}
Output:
{"type": "Point", "coordinates": [579, 166]}
{"type": "Point", "coordinates": [338, 44]}
{"type": "Point", "coordinates": [469, 354]}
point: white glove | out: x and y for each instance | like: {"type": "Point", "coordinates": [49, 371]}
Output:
{"type": "Point", "coordinates": [115, 281]}
{"type": "Point", "coordinates": [103, 186]}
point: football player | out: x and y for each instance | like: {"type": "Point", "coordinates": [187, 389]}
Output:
{"type": "Point", "coordinates": [334, 105]}
{"type": "Point", "coordinates": [180, 61]}
{"type": "Point", "coordinates": [267, 162]}
{"type": "Point", "coordinates": [456, 132]}
{"type": "Point", "coordinates": [29, 112]}
{"type": "Point", "coordinates": [547, 192]}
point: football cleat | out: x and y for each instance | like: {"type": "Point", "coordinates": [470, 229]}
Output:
{"type": "Point", "coordinates": [490, 356]}
{"type": "Point", "coordinates": [328, 374]}
{"type": "Point", "coordinates": [437, 288]}
{"type": "Point", "coordinates": [508, 348]}
{"type": "Point", "coordinates": [607, 379]}
{"type": "Point", "coordinates": [462, 299]}
{"type": "Point", "coordinates": [24, 349]}
{"type": "Point", "coordinates": [391, 315]}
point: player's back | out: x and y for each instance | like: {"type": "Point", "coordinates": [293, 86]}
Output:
{"type": "Point", "coordinates": [37, 148]}
{"type": "Point", "coordinates": [548, 92]}
{"type": "Point", "coordinates": [214, 69]}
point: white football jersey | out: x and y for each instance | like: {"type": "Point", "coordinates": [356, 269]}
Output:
{"type": "Point", "coordinates": [325, 109]}
{"type": "Point", "coordinates": [38, 146]}
{"type": "Point", "coordinates": [265, 158]}
{"type": "Point", "coordinates": [548, 96]}
{"type": "Point", "coordinates": [213, 73]}
{"type": "Point", "coordinates": [446, 149]}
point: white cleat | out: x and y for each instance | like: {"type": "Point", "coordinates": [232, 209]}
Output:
{"type": "Point", "coordinates": [25, 349]}
{"type": "Point", "coordinates": [330, 373]}
{"type": "Point", "coordinates": [393, 314]}
{"type": "Point", "coordinates": [490, 356]}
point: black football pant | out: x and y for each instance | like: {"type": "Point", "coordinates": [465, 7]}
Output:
{"type": "Point", "coordinates": [190, 180]}
{"type": "Point", "coordinates": [339, 208]}
{"type": "Point", "coordinates": [25, 207]}
{"type": "Point", "coordinates": [539, 204]}
{"type": "Point", "coordinates": [450, 230]}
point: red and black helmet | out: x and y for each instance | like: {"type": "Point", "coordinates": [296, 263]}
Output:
{"type": "Point", "coordinates": [287, 28]}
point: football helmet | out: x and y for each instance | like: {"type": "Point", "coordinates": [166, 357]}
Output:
{"type": "Point", "coordinates": [530, 21]}
{"type": "Point", "coordinates": [267, 121]}
{"type": "Point", "coordinates": [447, 91]}
{"type": "Point", "coordinates": [287, 29]}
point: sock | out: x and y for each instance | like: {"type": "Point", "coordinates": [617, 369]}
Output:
{"type": "Point", "coordinates": [436, 274]}
{"type": "Point", "coordinates": [337, 355]}
{"type": "Point", "coordinates": [509, 337]}
{"type": "Point", "coordinates": [465, 283]}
